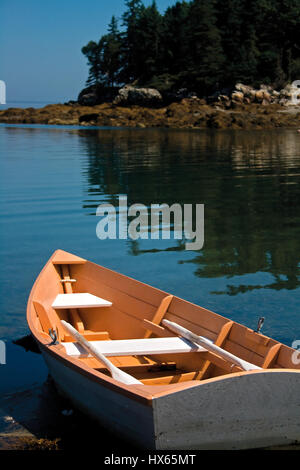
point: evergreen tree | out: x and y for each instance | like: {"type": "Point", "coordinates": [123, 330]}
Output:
{"type": "Point", "coordinates": [236, 23]}
{"type": "Point", "coordinates": [175, 46]}
{"type": "Point", "coordinates": [91, 51]}
{"type": "Point", "coordinates": [282, 33]}
{"type": "Point", "coordinates": [112, 53]}
{"type": "Point", "coordinates": [131, 46]}
{"type": "Point", "coordinates": [205, 49]}
{"type": "Point", "coordinates": [149, 44]}
{"type": "Point", "coordinates": [269, 69]}
{"type": "Point", "coordinates": [249, 53]}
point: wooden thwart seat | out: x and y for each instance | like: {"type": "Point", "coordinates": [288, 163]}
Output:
{"type": "Point", "coordinates": [79, 300]}
{"type": "Point", "coordinates": [136, 347]}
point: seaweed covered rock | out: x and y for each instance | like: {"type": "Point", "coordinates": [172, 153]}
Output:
{"type": "Point", "coordinates": [188, 113]}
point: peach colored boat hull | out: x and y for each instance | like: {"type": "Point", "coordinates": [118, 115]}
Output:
{"type": "Point", "coordinates": [186, 401]}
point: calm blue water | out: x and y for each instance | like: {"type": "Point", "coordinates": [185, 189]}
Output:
{"type": "Point", "coordinates": [25, 104]}
{"type": "Point", "coordinates": [53, 178]}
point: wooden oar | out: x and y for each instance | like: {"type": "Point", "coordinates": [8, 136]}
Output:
{"type": "Point", "coordinates": [116, 373]}
{"type": "Point", "coordinates": [180, 330]}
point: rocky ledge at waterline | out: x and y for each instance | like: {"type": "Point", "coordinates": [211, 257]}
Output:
{"type": "Point", "coordinates": [189, 113]}
{"type": "Point", "coordinates": [242, 108]}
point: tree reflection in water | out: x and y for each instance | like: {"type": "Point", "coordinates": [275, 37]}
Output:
{"type": "Point", "coordinates": [248, 181]}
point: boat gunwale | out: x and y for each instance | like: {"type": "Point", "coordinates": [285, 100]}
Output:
{"type": "Point", "coordinates": [142, 393]}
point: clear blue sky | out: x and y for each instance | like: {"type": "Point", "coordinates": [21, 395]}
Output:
{"type": "Point", "coordinates": [41, 41]}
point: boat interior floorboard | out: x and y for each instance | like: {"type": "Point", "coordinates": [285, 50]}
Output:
{"type": "Point", "coordinates": [147, 370]}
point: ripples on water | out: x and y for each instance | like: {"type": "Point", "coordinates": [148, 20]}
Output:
{"type": "Point", "coordinates": [53, 178]}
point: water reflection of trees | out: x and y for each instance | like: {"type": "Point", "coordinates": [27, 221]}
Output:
{"type": "Point", "coordinates": [248, 182]}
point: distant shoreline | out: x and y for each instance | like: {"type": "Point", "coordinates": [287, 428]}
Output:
{"type": "Point", "coordinates": [186, 114]}
{"type": "Point", "coordinates": [26, 104]}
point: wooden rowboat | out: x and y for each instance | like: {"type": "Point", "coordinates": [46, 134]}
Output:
{"type": "Point", "coordinates": [219, 385]}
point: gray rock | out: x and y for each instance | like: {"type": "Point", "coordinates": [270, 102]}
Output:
{"type": "Point", "coordinates": [264, 95]}
{"type": "Point", "coordinates": [130, 95]}
{"type": "Point", "coordinates": [289, 95]}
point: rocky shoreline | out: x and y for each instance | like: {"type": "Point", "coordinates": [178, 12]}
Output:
{"type": "Point", "coordinates": [189, 113]}
{"type": "Point", "coordinates": [241, 108]}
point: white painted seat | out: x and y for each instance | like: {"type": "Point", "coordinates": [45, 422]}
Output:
{"type": "Point", "coordinates": [136, 347]}
{"type": "Point", "coordinates": [79, 300]}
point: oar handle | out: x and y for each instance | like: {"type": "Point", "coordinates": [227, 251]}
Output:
{"type": "Point", "coordinates": [208, 345]}
{"type": "Point", "coordinates": [115, 371]}
{"type": "Point", "coordinates": [86, 345]}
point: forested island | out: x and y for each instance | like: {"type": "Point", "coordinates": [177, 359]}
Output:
{"type": "Point", "coordinates": [201, 45]}
{"type": "Point", "coordinates": [202, 63]}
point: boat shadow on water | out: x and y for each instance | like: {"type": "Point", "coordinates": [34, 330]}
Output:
{"type": "Point", "coordinates": [36, 417]}
{"type": "Point", "coordinates": [39, 418]}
